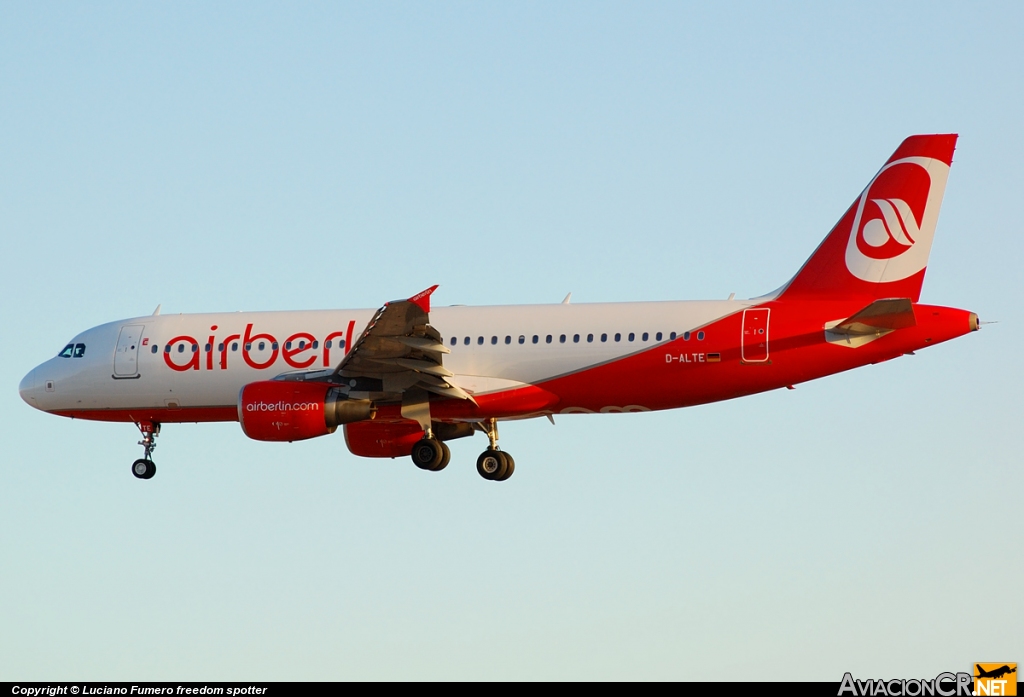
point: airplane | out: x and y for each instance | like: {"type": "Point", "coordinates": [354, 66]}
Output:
{"type": "Point", "coordinates": [406, 378]}
{"type": "Point", "coordinates": [995, 673]}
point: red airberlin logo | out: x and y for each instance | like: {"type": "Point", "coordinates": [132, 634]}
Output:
{"type": "Point", "coordinates": [895, 220]}
{"type": "Point", "coordinates": [891, 234]}
{"type": "Point", "coordinates": [891, 224]}
{"type": "Point", "coordinates": [258, 350]}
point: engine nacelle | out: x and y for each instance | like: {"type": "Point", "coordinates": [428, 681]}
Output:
{"type": "Point", "coordinates": [291, 410]}
{"type": "Point", "coordinates": [382, 439]}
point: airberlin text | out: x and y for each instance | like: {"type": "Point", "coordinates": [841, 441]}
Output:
{"type": "Point", "coordinates": [943, 685]}
{"type": "Point", "coordinates": [300, 350]}
{"type": "Point", "coordinates": [282, 406]}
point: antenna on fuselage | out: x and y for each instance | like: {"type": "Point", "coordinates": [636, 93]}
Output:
{"type": "Point", "coordinates": [566, 301]}
{"type": "Point", "coordinates": [157, 310]}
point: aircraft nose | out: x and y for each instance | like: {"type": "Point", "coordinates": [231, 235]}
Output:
{"type": "Point", "coordinates": [29, 388]}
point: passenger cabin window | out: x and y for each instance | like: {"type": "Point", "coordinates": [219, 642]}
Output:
{"type": "Point", "coordinates": [508, 340]}
{"type": "Point", "coordinates": [604, 337]}
{"type": "Point", "coordinates": [536, 338]}
{"type": "Point", "coordinates": [618, 337]}
{"type": "Point", "coordinates": [590, 338]}
{"type": "Point", "coordinates": [561, 339]}
{"type": "Point", "coordinates": [644, 337]}
{"type": "Point", "coordinates": [494, 340]}
{"type": "Point", "coordinates": [632, 336]}
{"type": "Point", "coordinates": [548, 339]}
{"type": "Point", "coordinates": [68, 351]}
{"type": "Point", "coordinates": [700, 336]}
{"type": "Point", "coordinates": [454, 340]}
{"type": "Point", "coordinates": [466, 341]}
{"type": "Point", "coordinates": [657, 336]}
{"type": "Point", "coordinates": [480, 341]}
{"type": "Point", "coordinates": [155, 348]}
{"type": "Point", "coordinates": [522, 339]}
{"type": "Point", "coordinates": [575, 338]}
{"type": "Point", "coordinates": [80, 350]}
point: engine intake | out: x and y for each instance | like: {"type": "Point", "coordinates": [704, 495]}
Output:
{"type": "Point", "coordinates": [287, 411]}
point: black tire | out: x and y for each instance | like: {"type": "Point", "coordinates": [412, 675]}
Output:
{"type": "Point", "coordinates": [491, 464]}
{"type": "Point", "coordinates": [446, 457]}
{"type": "Point", "coordinates": [143, 469]}
{"type": "Point", "coordinates": [510, 466]}
{"type": "Point", "coordinates": [427, 454]}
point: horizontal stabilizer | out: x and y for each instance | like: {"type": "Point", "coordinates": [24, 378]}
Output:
{"type": "Point", "coordinates": [882, 315]}
{"type": "Point", "coordinates": [872, 322]}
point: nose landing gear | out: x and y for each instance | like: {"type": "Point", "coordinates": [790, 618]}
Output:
{"type": "Point", "coordinates": [144, 468]}
{"type": "Point", "coordinates": [493, 464]}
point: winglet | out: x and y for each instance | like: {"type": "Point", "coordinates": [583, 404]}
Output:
{"type": "Point", "coordinates": [422, 299]}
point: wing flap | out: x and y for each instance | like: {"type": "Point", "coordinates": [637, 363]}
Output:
{"type": "Point", "coordinates": [399, 352]}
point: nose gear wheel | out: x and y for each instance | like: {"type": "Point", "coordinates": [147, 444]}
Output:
{"type": "Point", "coordinates": [143, 469]}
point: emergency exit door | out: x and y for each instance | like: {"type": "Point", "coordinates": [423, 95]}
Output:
{"type": "Point", "coordinates": [754, 337]}
{"type": "Point", "coordinates": [126, 355]}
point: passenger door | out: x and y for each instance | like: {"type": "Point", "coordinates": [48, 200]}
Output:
{"type": "Point", "coordinates": [126, 355]}
{"type": "Point", "coordinates": [754, 347]}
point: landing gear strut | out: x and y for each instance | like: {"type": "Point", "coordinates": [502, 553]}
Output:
{"type": "Point", "coordinates": [144, 468]}
{"type": "Point", "coordinates": [494, 464]}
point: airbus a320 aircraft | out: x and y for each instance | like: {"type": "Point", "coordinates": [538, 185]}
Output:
{"type": "Point", "coordinates": [404, 379]}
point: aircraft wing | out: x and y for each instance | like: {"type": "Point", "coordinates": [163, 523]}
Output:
{"type": "Point", "coordinates": [398, 351]}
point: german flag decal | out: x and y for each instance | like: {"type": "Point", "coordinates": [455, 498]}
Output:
{"type": "Point", "coordinates": [714, 358]}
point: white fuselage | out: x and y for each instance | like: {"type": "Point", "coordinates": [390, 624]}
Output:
{"type": "Point", "coordinates": [203, 360]}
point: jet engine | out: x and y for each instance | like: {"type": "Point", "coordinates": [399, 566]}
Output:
{"type": "Point", "coordinates": [396, 438]}
{"type": "Point", "coordinates": [384, 439]}
{"type": "Point", "coordinates": [285, 411]}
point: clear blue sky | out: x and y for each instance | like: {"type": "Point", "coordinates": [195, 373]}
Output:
{"type": "Point", "coordinates": [257, 156]}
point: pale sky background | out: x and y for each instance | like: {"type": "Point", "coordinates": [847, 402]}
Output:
{"type": "Point", "coordinates": [294, 156]}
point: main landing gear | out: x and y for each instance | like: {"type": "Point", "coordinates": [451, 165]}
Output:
{"type": "Point", "coordinates": [144, 467]}
{"type": "Point", "coordinates": [493, 464]}
{"type": "Point", "coordinates": [431, 454]}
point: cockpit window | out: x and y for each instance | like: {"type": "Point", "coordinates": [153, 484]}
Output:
{"type": "Point", "coordinates": [67, 352]}
{"type": "Point", "coordinates": [79, 350]}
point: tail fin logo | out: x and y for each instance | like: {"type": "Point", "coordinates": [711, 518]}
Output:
{"type": "Point", "coordinates": [897, 225]}
{"type": "Point", "coordinates": [895, 220]}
